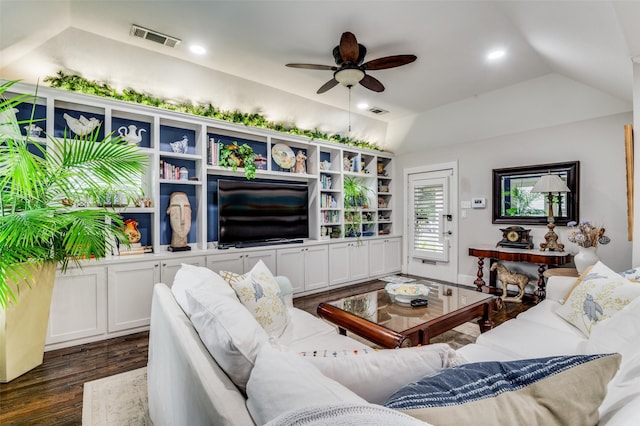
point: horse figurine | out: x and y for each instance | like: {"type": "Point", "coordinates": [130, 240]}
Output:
{"type": "Point", "coordinates": [507, 278]}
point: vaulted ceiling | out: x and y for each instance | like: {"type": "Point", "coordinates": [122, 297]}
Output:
{"type": "Point", "coordinates": [591, 43]}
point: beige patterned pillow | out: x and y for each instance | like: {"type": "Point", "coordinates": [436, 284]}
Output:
{"type": "Point", "coordinates": [601, 294]}
{"type": "Point", "coordinates": [260, 293]}
{"type": "Point", "coordinates": [232, 277]}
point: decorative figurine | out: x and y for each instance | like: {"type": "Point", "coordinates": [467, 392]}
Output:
{"type": "Point", "coordinates": [301, 163]}
{"type": "Point", "coordinates": [346, 164]}
{"type": "Point", "coordinates": [181, 146]}
{"type": "Point", "coordinates": [81, 126]}
{"type": "Point", "coordinates": [179, 211]}
{"type": "Point", "coordinates": [507, 278]}
{"type": "Point", "coordinates": [33, 130]}
{"type": "Point", "coordinates": [130, 135]}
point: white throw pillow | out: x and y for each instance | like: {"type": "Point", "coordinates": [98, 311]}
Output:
{"type": "Point", "coordinates": [600, 295]}
{"type": "Point", "coordinates": [230, 333]}
{"type": "Point", "coordinates": [260, 293]}
{"type": "Point", "coordinates": [283, 381]}
{"type": "Point", "coordinates": [362, 370]}
{"type": "Point", "coordinates": [190, 276]}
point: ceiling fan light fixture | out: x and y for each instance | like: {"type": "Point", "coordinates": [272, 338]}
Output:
{"type": "Point", "coordinates": [349, 77]}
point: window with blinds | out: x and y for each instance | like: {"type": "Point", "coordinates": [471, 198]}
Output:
{"type": "Point", "coordinates": [428, 210]}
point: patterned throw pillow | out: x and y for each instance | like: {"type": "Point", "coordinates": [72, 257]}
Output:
{"type": "Point", "coordinates": [600, 295]}
{"type": "Point", "coordinates": [260, 293]}
{"type": "Point", "coordinates": [632, 274]}
{"type": "Point", "coordinates": [522, 392]}
{"type": "Point", "coordinates": [232, 277]}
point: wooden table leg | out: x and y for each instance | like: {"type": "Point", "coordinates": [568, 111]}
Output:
{"type": "Point", "coordinates": [485, 322]}
{"type": "Point", "coordinates": [540, 292]}
{"type": "Point", "coordinates": [479, 282]}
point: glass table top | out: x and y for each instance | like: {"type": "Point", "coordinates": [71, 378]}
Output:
{"type": "Point", "coordinates": [381, 308]}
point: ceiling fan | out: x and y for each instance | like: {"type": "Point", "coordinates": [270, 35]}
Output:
{"type": "Point", "coordinates": [350, 70]}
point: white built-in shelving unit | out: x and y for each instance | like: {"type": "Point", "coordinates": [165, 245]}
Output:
{"type": "Point", "coordinates": [119, 288]}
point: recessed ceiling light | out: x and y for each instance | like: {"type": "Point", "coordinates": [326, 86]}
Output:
{"type": "Point", "coordinates": [363, 105]}
{"type": "Point", "coordinates": [197, 49]}
{"type": "Point", "coordinates": [496, 54]}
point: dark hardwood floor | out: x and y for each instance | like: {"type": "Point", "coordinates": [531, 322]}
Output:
{"type": "Point", "coordinates": [51, 394]}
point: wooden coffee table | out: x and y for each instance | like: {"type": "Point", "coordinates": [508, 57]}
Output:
{"type": "Point", "coordinates": [375, 317]}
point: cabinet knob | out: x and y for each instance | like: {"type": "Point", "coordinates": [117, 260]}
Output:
{"type": "Point", "coordinates": [156, 265]}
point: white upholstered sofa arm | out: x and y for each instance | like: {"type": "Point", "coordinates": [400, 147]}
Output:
{"type": "Point", "coordinates": [558, 287]}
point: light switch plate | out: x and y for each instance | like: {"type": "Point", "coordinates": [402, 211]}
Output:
{"type": "Point", "coordinates": [478, 203]}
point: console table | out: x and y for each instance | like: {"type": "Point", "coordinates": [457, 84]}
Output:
{"type": "Point", "coordinates": [542, 258]}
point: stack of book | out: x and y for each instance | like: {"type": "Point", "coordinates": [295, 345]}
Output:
{"type": "Point", "coordinates": [213, 152]}
{"type": "Point", "coordinates": [134, 248]}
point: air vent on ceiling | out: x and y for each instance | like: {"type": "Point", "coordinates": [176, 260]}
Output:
{"type": "Point", "coordinates": [377, 110]}
{"type": "Point", "coordinates": [154, 36]}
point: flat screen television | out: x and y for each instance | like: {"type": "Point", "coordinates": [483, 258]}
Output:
{"type": "Point", "coordinates": [250, 211]}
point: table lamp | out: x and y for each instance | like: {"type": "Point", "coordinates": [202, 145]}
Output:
{"type": "Point", "coordinates": [550, 184]}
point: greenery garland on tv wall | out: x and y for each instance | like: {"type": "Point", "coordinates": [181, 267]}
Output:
{"type": "Point", "coordinates": [75, 83]}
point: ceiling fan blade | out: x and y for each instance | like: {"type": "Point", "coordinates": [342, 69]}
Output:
{"type": "Point", "coordinates": [349, 48]}
{"type": "Point", "coordinates": [328, 85]}
{"type": "Point", "coordinates": [389, 62]}
{"type": "Point", "coordinates": [313, 67]}
{"type": "Point", "coordinates": [372, 83]}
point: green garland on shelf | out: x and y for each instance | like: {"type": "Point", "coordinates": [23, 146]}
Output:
{"type": "Point", "coordinates": [75, 83]}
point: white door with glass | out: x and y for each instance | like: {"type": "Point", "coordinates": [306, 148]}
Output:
{"type": "Point", "coordinates": [431, 223]}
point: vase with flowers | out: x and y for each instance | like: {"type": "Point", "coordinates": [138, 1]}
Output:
{"type": "Point", "coordinates": [587, 236]}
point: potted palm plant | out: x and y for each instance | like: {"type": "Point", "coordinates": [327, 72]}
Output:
{"type": "Point", "coordinates": [40, 231]}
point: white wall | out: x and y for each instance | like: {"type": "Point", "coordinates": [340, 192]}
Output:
{"type": "Point", "coordinates": [636, 188]}
{"type": "Point", "coordinates": [597, 143]}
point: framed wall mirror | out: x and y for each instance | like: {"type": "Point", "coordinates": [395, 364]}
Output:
{"type": "Point", "coordinates": [515, 203]}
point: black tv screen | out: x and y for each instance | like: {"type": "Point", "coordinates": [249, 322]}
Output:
{"type": "Point", "coordinates": [261, 211]}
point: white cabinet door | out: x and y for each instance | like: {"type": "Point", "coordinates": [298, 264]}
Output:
{"type": "Point", "coordinates": [358, 261]}
{"type": "Point", "coordinates": [306, 267]}
{"type": "Point", "coordinates": [338, 263]}
{"type": "Point", "coordinates": [385, 256]}
{"type": "Point", "coordinates": [267, 256]}
{"type": "Point", "coordinates": [241, 262]}
{"type": "Point", "coordinates": [291, 265]}
{"type": "Point", "coordinates": [78, 305]}
{"type": "Point", "coordinates": [393, 255]}
{"type": "Point", "coordinates": [348, 262]}
{"type": "Point", "coordinates": [130, 287]}
{"type": "Point", "coordinates": [232, 262]}
{"type": "Point", "coordinates": [376, 257]}
{"type": "Point", "coordinates": [316, 267]}
{"type": "Point", "coordinates": [169, 268]}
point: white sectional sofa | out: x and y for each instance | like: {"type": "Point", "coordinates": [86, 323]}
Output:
{"type": "Point", "coordinates": [540, 332]}
{"type": "Point", "coordinates": [187, 385]}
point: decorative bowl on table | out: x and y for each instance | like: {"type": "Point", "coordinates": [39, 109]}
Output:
{"type": "Point", "coordinates": [405, 293]}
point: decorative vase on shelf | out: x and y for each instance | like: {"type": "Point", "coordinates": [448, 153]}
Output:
{"type": "Point", "coordinates": [131, 230]}
{"type": "Point", "coordinates": [585, 257]}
